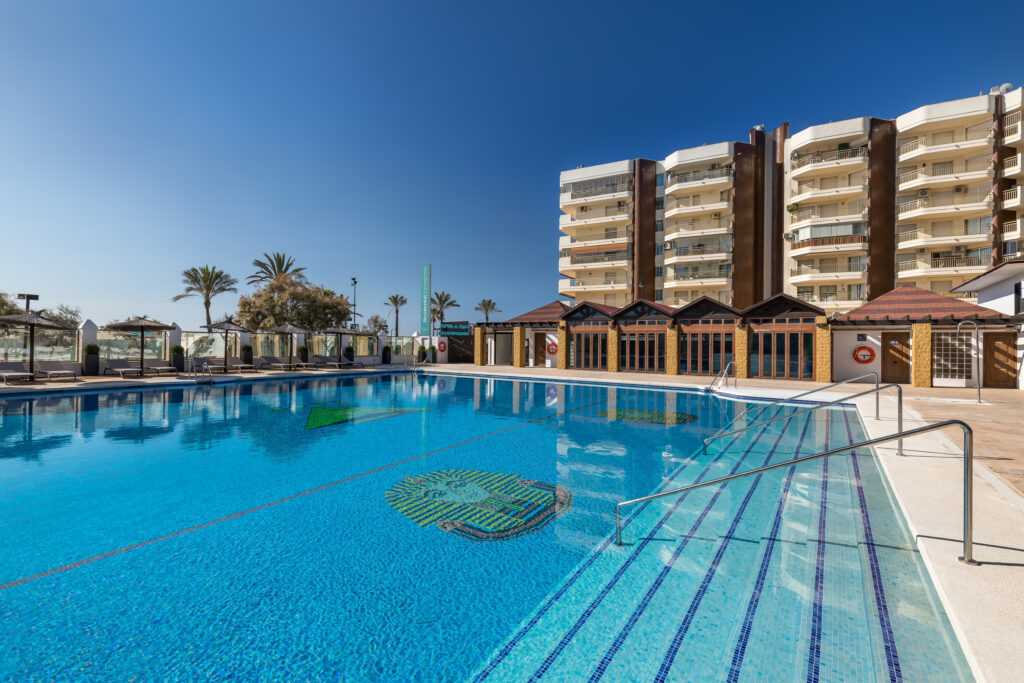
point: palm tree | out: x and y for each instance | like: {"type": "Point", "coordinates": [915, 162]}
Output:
{"type": "Point", "coordinates": [396, 301]}
{"type": "Point", "coordinates": [276, 265]}
{"type": "Point", "coordinates": [487, 306]}
{"type": "Point", "coordinates": [442, 301]}
{"type": "Point", "coordinates": [207, 282]}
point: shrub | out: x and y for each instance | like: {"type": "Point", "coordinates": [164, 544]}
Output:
{"type": "Point", "coordinates": [246, 348]}
{"type": "Point", "coordinates": [91, 349]}
{"type": "Point", "coordinates": [350, 348]}
{"type": "Point", "coordinates": [791, 207]}
{"type": "Point", "coordinates": [432, 348]}
{"type": "Point", "coordinates": [387, 347]}
{"type": "Point", "coordinates": [422, 347]}
{"type": "Point", "coordinates": [302, 349]}
{"type": "Point", "coordinates": [177, 348]}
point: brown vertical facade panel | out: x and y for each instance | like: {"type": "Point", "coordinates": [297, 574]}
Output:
{"type": "Point", "coordinates": [759, 140]}
{"type": "Point", "coordinates": [747, 231]}
{"type": "Point", "coordinates": [778, 180]}
{"type": "Point", "coordinates": [999, 183]}
{"type": "Point", "coordinates": [645, 187]}
{"type": "Point", "coordinates": [881, 259]}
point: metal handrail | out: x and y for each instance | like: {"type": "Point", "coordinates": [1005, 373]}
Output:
{"type": "Point", "coordinates": [968, 449]}
{"type": "Point", "coordinates": [899, 414]}
{"type": "Point", "coordinates": [724, 373]}
{"type": "Point", "coordinates": [763, 407]}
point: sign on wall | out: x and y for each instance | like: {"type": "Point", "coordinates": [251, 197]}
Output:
{"type": "Point", "coordinates": [454, 329]}
{"type": "Point", "coordinates": [425, 301]}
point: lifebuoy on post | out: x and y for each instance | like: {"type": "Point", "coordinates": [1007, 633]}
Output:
{"type": "Point", "coordinates": [552, 348]}
{"type": "Point", "coordinates": [864, 354]}
{"type": "Point", "coordinates": [442, 347]}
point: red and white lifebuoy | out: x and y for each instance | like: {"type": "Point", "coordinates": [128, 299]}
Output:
{"type": "Point", "coordinates": [442, 347]}
{"type": "Point", "coordinates": [864, 354]}
{"type": "Point", "coordinates": [552, 391]}
{"type": "Point", "coordinates": [552, 348]}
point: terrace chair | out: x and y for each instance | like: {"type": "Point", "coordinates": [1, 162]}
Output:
{"type": "Point", "coordinates": [11, 371]}
{"type": "Point", "coordinates": [49, 369]}
{"type": "Point", "coordinates": [121, 366]}
{"type": "Point", "coordinates": [235, 363]}
{"type": "Point", "coordinates": [272, 362]}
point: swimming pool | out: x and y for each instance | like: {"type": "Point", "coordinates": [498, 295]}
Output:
{"type": "Point", "coordinates": [413, 527]}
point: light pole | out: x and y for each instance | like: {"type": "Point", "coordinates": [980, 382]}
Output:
{"type": "Point", "coordinates": [354, 283]}
{"type": "Point", "coordinates": [28, 298]}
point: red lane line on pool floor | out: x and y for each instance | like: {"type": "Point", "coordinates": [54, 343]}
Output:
{"type": "Point", "coordinates": [236, 515]}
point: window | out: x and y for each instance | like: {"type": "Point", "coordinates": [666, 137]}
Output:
{"type": "Point", "coordinates": [611, 233]}
{"type": "Point", "coordinates": [977, 226]}
{"type": "Point", "coordinates": [942, 168]}
{"type": "Point", "coordinates": [659, 203]}
{"type": "Point", "coordinates": [659, 249]}
{"type": "Point", "coordinates": [858, 292]}
{"type": "Point", "coordinates": [1018, 300]}
{"type": "Point", "coordinates": [1010, 248]}
{"type": "Point", "coordinates": [856, 264]}
{"type": "Point", "coordinates": [658, 295]}
{"type": "Point", "coordinates": [827, 292]}
{"type": "Point", "coordinates": [724, 195]}
{"type": "Point", "coordinates": [805, 293]}
{"type": "Point", "coordinates": [659, 271]}
{"type": "Point", "coordinates": [659, 179]}
{"type": "Point", "coordinates": [951, 355]}
{"type": "Point", "coordinates": [659, 226]}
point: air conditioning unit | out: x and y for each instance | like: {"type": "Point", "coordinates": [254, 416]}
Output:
{"type": "Point", "coordinates": [716, 215]}
{"type": "Point", "coordinates": [789, 237]}
{"type": "Point", "coordinates": [959, 189]}
{"type": "Point", "coordinates": [924, 193]}
{"type": "Point", "coordinates": [922, 251]}
{"type": "Point", "coordinates": [958, 249]}
{"type": "Point", "coordinates": [714, 166]}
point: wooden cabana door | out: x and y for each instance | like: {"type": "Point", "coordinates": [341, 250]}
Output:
{"type": "Point", "coordinates": [1000, 359]}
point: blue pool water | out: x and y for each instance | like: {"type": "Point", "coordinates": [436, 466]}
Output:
{"type": "Point", "coordinates": [402, 527]}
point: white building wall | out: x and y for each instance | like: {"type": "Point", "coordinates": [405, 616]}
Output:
{"type": "Point", "coordinates": [844, 342]}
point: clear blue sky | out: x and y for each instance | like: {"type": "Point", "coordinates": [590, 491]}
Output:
{"type": "Point", "coordinates": [366, 138]}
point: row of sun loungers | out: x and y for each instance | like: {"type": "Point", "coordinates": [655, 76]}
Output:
{"type": "Point", "coordinates": [44, 369]}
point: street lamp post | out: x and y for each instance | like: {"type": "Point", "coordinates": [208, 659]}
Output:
{"type": "Point", "coordinates": [354, 283]}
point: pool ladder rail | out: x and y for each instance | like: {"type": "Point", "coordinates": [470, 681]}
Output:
{"type": "Point", "coordinates": [197, 371]}
{"type": "Point", "coordinates": [723, 376]}
{"type": "Point", "coordinates": [762, 407]}
{"type": "Point", "coordinates": [968, 498]}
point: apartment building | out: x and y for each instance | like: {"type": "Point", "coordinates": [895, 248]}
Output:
{"type": "Point", "coordinates": [836, 214]}
{"type": "Point", "coordinates": [671, 230]}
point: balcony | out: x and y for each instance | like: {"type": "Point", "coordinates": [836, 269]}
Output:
{"type": "Point", "coordinates": [596, 215]}
{"type": "Point", "coordinates": [924, 237]}
{"type": "Point", "coordinates": [945, 143]}
{"type": "Point", "coordinates": [596, 194]}
{"type": "Point", "coordinates": [702, 252]}
{"type": "Point", "coordinates": [826, 273]}
{"type": "Point", "coordinates": [599, 261]}
{"type": "Point", "coordinates": [935, 177]}
{"type": "Point", "coordinates": [815, 162]}
{"type": "Point", "coordinates": [972, 200]}
{"type": "Point", "coordinates": [843, 300]}
{"type": "Point", "coordinates": [1012, 166]}
{"type": "Point", "coordinates": [685, 206]}
{"type": "Point", "coordinates": [697, 277]}
{"type": "Point", "coordinates": [602, 237]}
{"type": "Point", "coordinates": [825, 245]}
{"type": "Point", "coordinates": [938, 267]}
{"type": "Point", "coordinates": [1011, 198]}
{"type": "Point", "coordinates": [572, 286]}
{"type": "Point", "coordinates": [1011, 128]}
{"type": "Point", "coordinates": [853, 211]}
{"type": "Point", "coordinates": [696, 227]}
{"type": "Point", "coordinates": [689, 180]}
{"type": "Point", "coordinates": [818, 190]}
{"type": "Point", "coordinates": [1010, 230]}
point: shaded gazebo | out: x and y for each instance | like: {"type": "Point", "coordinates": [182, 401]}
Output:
{"type": "Point", "coordinates": [142, 326]}
{"type": "Point", "coordinates": [291, 330]}
{"type": "Point", "coordinates": [338, 332]}
{"type": "Point", "coordinates": [226, 326]}
{"type": "Point", "coordinates": [32, 320]}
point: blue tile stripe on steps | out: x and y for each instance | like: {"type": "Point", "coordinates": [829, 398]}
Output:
{"type": "Point", "coordinates": [755, 597]}
{"type": "Point", "coordinates": [684, 626]}
{"type": "Point", "coordinates": [546, 607]}
{"type": "Point", "coordinates": [892, 659]}
{"type": "Point", "coordinates": [814, 650]}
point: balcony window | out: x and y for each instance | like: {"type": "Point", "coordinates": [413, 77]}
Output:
{"type": "Point", "coordinates": [827, 292]}
{"type": "Point", "coordinates": [984, 254]}
{"type": "Point", "coordinates": [977, 226]}
{"type": "Point", "coordinates": [856, 264]}
{"type": "Point", "coordinates": [805, 293]}
{"type": "Point", "coordinates": [942, 168]}
{"type": "Point", "coordinates": [858, 292]}
{"type": "Point", "coordinates": [1010, 249]}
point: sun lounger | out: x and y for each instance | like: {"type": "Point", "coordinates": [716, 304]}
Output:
{"type": "Point", "coordinates": [11, 371]}
{"type": "Point", "coordinates": [273, 362]}
{"type": "Point", "coordinates": [237, 364]}
{"type": "Point", "coordinates": [324, 361]}
{"type": "Point", "coordinates": [121, 367]}
{"type": "Point", "coordinates": [50, 369]}
{"type": "Point", "coordinates": [157, 369]}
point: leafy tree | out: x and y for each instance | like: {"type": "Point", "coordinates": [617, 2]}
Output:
{"type": "Point", "coordinates": [376, 324]}
{"type": "Point", "coordinates": [7, 305]}
{"type": "Point", "coordinates": [288, 299]}
{"type": "Point", "coordinates": [69, 316]}
{"type": "Point", "coordinates": [396, 301]}
{"type": "Point", "coordinates": [274, 266]}
{"type": "Point", "coordinates": [487, 306]}
{"type": "Point", "coordinates": [206, 282]}
{"type": "Point", "coordinates": [442, 301]}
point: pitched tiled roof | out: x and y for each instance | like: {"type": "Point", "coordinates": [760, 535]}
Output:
{"type": "Point", "coordinates": [914, 304]}
{"type": "Point", "coordinates": [549, 313]}
{"type": "Point", "coordinates": [661, 308]}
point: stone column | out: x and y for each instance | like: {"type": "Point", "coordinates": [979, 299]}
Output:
{"type": "Point", "coordinates": [672, 350]}
{"type": "Point", "coordinates": [613, 349]}
{"type": "Point", "coordinates": [822, 350]}
{"type": "Point", "coordinates": [741, 351]}
{"type": "Point", "coordinates": [519, 347]}
{"type": "Point", "coordinates": [479, 346]}
{"type": "Point", "coordinates": [921, 354]}
{"type": "Point", "coordinates": [563, 346]}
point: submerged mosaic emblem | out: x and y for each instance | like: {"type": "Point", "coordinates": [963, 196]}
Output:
{"type": "Point", "coordinates": [654, 416]}
{"type": "Point", "coordinates": [322, 416]}
{"type": "Point", "coordinates": [482, 506]}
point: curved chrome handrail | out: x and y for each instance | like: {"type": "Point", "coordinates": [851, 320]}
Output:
{"type": "Point", "coordinates": [968, 450]}
{"type": "Point", "coordinates": [814, 391]}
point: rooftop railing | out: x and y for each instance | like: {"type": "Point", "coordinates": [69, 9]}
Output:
{"type": "Point", "coordinates": [828, 155]}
